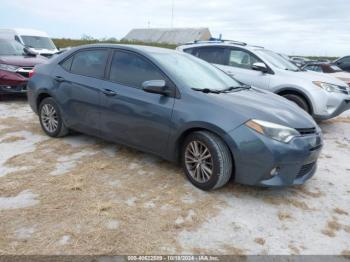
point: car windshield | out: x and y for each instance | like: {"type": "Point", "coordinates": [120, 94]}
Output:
{"type": "Point", "coordinates": [10, 48]}
{"type": "Point", "coordinates": [38, 42]}
{"type": "Point", "coordinates": [335, 68]}
{"type": "Point", "coordinates": [194, 72]}
{"type": "Point", "coordinates": [276, 60]}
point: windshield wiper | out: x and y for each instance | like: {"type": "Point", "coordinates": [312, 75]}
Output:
{"type": "Point", "coordinates": [226, 90]}
{"type": "Point", "coordinates": [207, 90]}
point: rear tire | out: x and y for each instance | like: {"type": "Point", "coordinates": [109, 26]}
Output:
{"type": "Point", "coordinates": [50, 118]}
{"type": "Point", "coordinates": [299, 101]}
{"type": "Point", "coordinates": [206, 160]}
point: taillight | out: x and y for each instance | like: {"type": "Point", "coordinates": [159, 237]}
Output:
{"type": "Point", "coordinates": [31, 73]}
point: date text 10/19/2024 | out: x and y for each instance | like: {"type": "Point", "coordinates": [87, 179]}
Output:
{"type": "Point", "coordinates": [173, 258]}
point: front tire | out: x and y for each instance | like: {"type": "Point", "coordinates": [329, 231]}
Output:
{"type": "Point", "coordinates": [50, 118]}
{"type": "Point", "coordinates": [206, 160]}
{"type": "Point", "coordinates": [299, 101]}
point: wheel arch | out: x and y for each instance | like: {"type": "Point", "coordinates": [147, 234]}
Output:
{"type": "Point", "coordinates": [294, 91]}
{"type": "Point", "coordinates": [216, 131]}
{"type": "Point", "coordinates": [40, 98]}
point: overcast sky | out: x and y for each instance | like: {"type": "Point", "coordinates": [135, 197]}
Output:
{"type": "Point", "coordinates": [312, 27]}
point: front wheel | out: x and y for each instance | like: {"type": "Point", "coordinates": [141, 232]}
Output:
{"type": "Point", "coordinates": [51, 119]}
{"type": "Point", "coordinates": [206, 160]}
{"type": "Point", "coordinates": [299, 101]}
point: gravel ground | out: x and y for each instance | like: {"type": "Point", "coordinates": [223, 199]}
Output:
{"type": "Point", "coordinates": [81, 195]}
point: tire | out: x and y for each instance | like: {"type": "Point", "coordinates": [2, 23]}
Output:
{"type": "Point", "coordinates": [299, 101]}
{"type": "Point", "coordinates": [49, 106]}
{"type": "Point", "coordinates": [220, 161]}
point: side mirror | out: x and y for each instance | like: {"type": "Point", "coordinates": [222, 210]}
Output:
{"type": "Point", "coordinates": [258, 66]}
{"type": "Point", "coordinates": [156, 87]}
{"type": "Point", "coordinates": [29, 51]}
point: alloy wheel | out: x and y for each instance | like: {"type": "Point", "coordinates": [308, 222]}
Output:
{"type": "Point", "coordinates": [49, 118]}
{"type": "Point", "coordinates": [199, 161]}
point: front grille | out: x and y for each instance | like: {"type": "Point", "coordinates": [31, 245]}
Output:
{"type": "Point", "coordinates": [344, 90]}
{"type": "Point", "coordinates": [305, 169]}
{"type": "Point", "coordinates": [306, 131]}
{"type": "Point", "coordinates": [24, 71]}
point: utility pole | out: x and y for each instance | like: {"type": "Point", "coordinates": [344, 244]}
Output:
{"type": "Point", "coordinates": [172, 13]}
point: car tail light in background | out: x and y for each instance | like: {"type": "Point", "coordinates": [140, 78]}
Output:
{"type": "Point", "coordinates": [31, 73]}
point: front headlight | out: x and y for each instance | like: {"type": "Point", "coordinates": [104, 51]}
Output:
{"type": "Point", "coordinates": [277, 132]}
{"type": "Point", "coordinates": [330, 87]}
{"type": "Point", "coordinates": [9, 68]}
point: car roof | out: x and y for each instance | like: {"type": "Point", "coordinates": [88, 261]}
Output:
{"type": "Point", "coordinates": [139, 48]}
{"type": "Point", "coordinates": [227, 43]}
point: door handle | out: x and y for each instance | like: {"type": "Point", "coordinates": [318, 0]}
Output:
{"type": "Point", "coordinates": [59, 78]}
{"type": "Point", "coordinates": [109, 92]}
{"type": "Point", "coordinates": [231, 73]}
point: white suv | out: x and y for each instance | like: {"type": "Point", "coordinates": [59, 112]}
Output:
{"type": "Point", "coordinates": [322, 96]}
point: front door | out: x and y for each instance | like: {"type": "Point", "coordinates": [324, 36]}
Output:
{"type": "Point", "coordinates": [129, 114]}
{"type": "Point", "coordinates": [239, 65]}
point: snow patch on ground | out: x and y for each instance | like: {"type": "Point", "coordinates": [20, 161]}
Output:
{"type": "Point", "coordinates": [18, 111]}
{"type": "Point", "coordinates": [24, 199]}
{"type": "Point", "coordinates": [24, 232]}
{"type": "Point", "coordinates": [66, 164]}
{"type": "Point", "coordinates": [131, 201]}
{"type": "Point", "coordinates": [112, 224]}
{"type": "Point", "coordinates": [11, 149]}
{"type": "Point", "coordinates": [64, 240]}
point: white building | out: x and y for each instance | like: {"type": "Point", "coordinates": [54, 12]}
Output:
{"type": "Point", "coordinates": [168, 35]}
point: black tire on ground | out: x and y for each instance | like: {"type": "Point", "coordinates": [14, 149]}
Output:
{"type": "Point", "coordinates": [220, 155]}
{"type": "Point", "coordinates": [298, 100]}
{"type": "Point", "coordinates": [61, 130]}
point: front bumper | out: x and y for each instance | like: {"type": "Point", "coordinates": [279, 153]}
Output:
{"type": "Point", "coordinates": [256, 155]}
{"type": "Point", "coordinates": [340, 108]}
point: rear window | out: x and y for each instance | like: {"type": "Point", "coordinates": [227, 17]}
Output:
{"type": "Point", "coordinates": [214, 55]}
{"type": "Point", "coordinates": [90, 63]}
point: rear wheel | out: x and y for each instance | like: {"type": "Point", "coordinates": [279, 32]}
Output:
{"type": "Point", "coordinates": [206, 160]}
{"type": "Point", "coordinates": [299, 101]}
{"type": "Point", "coordinates": [50, 118]}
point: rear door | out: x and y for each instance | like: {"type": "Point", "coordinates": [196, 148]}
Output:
{"type": "Point", "coordinates": [129, 114]}
{"type": "Point", "coordinates": [79, 81]}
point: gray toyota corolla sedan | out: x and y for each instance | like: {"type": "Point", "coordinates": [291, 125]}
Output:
{"type": "Point", "coordinates": [180, 108]}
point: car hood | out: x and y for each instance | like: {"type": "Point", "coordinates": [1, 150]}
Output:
{"type": "Point", "coordinates": [23, 60]}
{"type": "Point", "coordinates": [345, 76]}
{"type": "Point", "coordinates": [315, 76]}
{"type": "Point", "coordinates": [262, 105]}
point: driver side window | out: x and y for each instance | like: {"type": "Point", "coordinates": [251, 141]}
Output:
{"type": "Point", "coordinates": [242, 59]}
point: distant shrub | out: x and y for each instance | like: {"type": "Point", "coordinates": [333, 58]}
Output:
{"type": "Point", "coordinates": [67, 42]}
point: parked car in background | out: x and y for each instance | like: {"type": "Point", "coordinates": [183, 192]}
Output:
{"type": "Point", "coordinates": [343, 63]}
{"type": "Point", "coordinates": [16, 66]}
{"type": "Point", "coordinates": [38, 41]}
{"type": "Point", "coordinates": [299, 61]}
{"type": "Point", "coordinates": [178, 107]}
{"type": "Point", "coordinates": [330, 69]}
{"type": "Point", "coordinates": [320, 95]}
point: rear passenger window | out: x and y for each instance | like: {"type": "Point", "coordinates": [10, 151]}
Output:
{"type": "Point", "coordinates": [214, 55]}
{"type": "Point", "coordinates": [67, 63]}
{"type": "Point", "coordinates": [90, 63]}
{"type": "Point", "coordinates": [132, 70]}
{"type": "Point", "coordinates": [189, 50]}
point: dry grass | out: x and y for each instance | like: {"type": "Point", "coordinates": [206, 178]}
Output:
{"type": "Point", "coordinates": [282, 215]}
{"type": "Point", "coordinates": [80, 203]}
{"type": "Point", "coordinates": [260, 241]}
{"type": "Point", "coordinates": [340, 211]}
